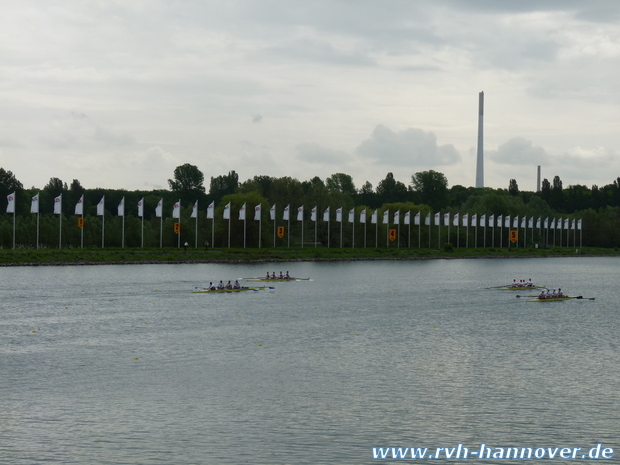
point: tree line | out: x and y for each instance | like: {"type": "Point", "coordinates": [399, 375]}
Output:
{"type": "Point", "coordinates": [426, 192]}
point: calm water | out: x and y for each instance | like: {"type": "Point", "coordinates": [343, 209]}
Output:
{"type": "Point", "coordinates": [124, 365]}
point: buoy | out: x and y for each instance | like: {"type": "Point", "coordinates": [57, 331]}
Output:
{"type": "Point", "coordinates": [34, 330]}
{"type": "Point", "coordinates": [260, 345]}
{"type": "Point", "coordinates": [66, 307]}
{"type": "Point", "coordinates": [136, 358]}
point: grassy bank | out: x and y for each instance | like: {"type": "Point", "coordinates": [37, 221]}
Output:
{"type": "Point", "coordinates": [174, 255]}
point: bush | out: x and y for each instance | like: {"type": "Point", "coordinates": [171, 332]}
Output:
{"type": "Point", "coordinates": [448, 247]}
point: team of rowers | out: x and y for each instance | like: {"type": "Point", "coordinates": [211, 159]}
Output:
{"type": "Point", "coordinates": [550, 294]}
{"type": "Point", "coordinates": [280, 276]}
{"type": "Point", "coordinates": [522, 283]}
{"type": "Point", "coordinates": [220, 286]}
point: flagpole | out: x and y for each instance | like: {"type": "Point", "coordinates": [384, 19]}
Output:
{"type": "Point", "coordinates": [302, 228]}
{"type": "Point", "coordinates": [103, 228]}
{"type": "Point", "coordinates": [353, 234]}
{"type": "Point", "coordinates": [14, 226]}
{"type": "Point", "coordinates": [179, 235]}
{"type": "Point", "coordinates": [274, 225]}
{"type": "Point", "coordinates": [82, 228]}
{"type": "Point", "coordinates": [260, 229]}
{"type": "Point", "coordinates": [37, 225]}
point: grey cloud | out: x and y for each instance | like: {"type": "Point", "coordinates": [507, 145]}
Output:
{"type": "Point", "coordinates": [409, 147]}
{"type": "Point", "coordinates": [257, 118]}
{"type": "Point", "coordinates": [314, 153]}
{"type": "Point", "coordinates": [518, 151]}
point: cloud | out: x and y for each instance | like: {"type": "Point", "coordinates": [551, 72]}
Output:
{"type": "Point", "coordinates": [314, 153]}
{"type": "Point", "coordinates": [257, 118]}
{"type": "Point", "coordinates": [407, 148]}
{"type": "Point", "coordinates": [518, 151]}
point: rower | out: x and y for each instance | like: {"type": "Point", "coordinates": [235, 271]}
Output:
{"type": "Point", "coordinates": [530, 283]}
{"type": "Point", "coordinates": [542, 295]}
{"type": "Point", "coordinates": [237, 285]}
{"type": "Point", "coordinates": [268, 275]}
{"type": "Point", "coordinates": [211, 286]}
{"type": "Point", "coordinates": [560, 294]}
{"type": "Point", "coordinates": [220, 285]}
{"type": "Point", "coordinates": [229, 285]}
{"type": "Point", "coordinates": [280, 276]}
{"type": "Point", "coordinates": [273, 276]}
{"type": "Point", "coordinates": [288, 276]}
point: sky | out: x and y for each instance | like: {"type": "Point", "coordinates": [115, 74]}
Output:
{"type": "Point", "coordinates": [117, 94]}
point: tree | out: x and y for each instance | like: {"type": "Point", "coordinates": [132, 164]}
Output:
{"type": "Point", "coordinates": [187, 178]}
{"type": "Point", "coordinates": [391, 191]}
{"type": "Point", "coordinates": [431, 187]}
{"type": "Point", "coordinates": [342, 183]}
{"type": "Point", "coordinates": [367, 196]}
{"type": "Point", "coordinates": [55, 186]}
{"type": "Point", "coordinates": [8, 182]}
{"type": "Point", "coordinates": [223, 185]}
{"type": "Point", "coordinates": [513, 188]}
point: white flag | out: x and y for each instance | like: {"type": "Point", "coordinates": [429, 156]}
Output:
{"type": "Point", "coordinates": [483, 221]}
{"type": "Point", "coordinates": [579, 225]}
{"type": "Point", "coordinates": [363, 216]}
{"type": "Point", "coordinates": [287, 214]}
{"type": "Point", "coordinates": [272, 212]}
{"type": "Point", "coordinates": [492, 221]}
{"type": "Point", "coordinates": [176, 210]}
{"type": "Point", "coordinates": [506, 221]}
{"type": "Point", "coordinates": [210, 210]}
{"type": "Point", "coordinates": [407, 219]}
{"type": "Point", "coordinates": [552, 224]}
{"type": "Point", "coordinates": [242, 212]}
{"type": "Point", "coordinates": [386, 217]}
{"type": "Point", "coordinates": [455, 219]}
{"type": "Point", "coordinates": [339, 215]}
{"type": "Point", "coordinates": [538, 223]}
{"type": "Point", "coordinates": [573, 224]}
{"type": "Point", "coordinates": [446, 219]}
{"type": "Point", "coordinates": [546, 225]}
{"type": "Point", "coordinates": [257, 212]}
{"type": "Point", "coordinates": [427, 220]}
{"type": "Point", "coordinates": [373, 217]}
{"type": "Point", "coordinates": [141, 208]}
{"type": "Point", "coordinates": [58, 205]}
{"type": "Point", "coordinates": [437, 218]}
{"type": "Point", "coordinates": [10, 208]}
{"type": "Point", "coordinates": [100, 206]}
{"type": "Point", "coordinates": [34, 205]}
{"type": "Point", "coordinates": [397, 217]}
{"type": "Point", "coordinates": [227, 211]}
{"type": "Point", "coordinates": [79, 206]}
{"type": "Point", "coordinates": [300, 213]}
{"type": "Point", "coordinates": [416, 219]}
{"type": "Point", "coordinates": [474, 220]}
{"type": "Point", "coordinates": [565, 223]}
{"type": "Point", "coordinates": [159, 208]}
{"type": "Point", "coordinates": [515, 222]}
{"type": "Point", "coordinates": [326, 214]}
{"type": "Point", "coordinates": [194, 210]}
{"type": "Point", "coordinates": [523, 219]}
{"type": "Point", "coordinates": [466, 219]}
{"type": "Point", "coordinates": [121, 207]}
{"type": "Point", "coordinates": [352, 215]}
{"type": "Point", "coordinates": [313, 213]}
{"type": "Point", "coordinates": [500, 220]}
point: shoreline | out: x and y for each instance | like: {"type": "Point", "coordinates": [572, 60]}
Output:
{"type": "Point", "coordinates": [191, 261]}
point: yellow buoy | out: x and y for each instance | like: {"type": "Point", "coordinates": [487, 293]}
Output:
{"type": "Point", "coordinates": [34, 330]}
{"type": "Point", "coordinates": [136, 358]}
{"type": "Point", "coordinates": [260, 345]}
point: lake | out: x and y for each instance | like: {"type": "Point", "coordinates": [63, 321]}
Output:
{"type": "Point", "coordinates": [125, 365]}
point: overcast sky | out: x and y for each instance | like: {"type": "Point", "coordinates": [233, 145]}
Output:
{"type": "Point", "coordinates": [117, 94]}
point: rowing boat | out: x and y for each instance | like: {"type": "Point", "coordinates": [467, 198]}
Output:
{"type": "Point", "coordinates": [262, 280]}
{"type": "Point", "coordinates": [555, 299]}
{"type": "Point", "coordinates": [213, 291]}
{"type": "Point", "coordinates": [521, 288]}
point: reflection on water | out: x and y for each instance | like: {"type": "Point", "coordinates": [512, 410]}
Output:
{"type": "Point", "coordinates": [123, 364]}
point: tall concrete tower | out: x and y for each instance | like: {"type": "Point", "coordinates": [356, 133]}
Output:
{"type": "Point", "coordinates": [538, 180]}
{"type": "Point", "coordinates": [480, 158]}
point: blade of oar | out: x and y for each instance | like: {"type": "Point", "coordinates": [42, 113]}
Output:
{"type": "Point", "coordinates": [529, 295]}
{"type": "Point", "coordinates": [585, 298]}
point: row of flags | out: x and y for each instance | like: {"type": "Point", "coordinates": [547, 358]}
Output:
{"type": "Point", "coordinates": [464, 220]}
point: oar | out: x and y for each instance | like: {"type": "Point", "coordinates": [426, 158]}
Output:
{"type": "Point", "coordinates": [529, 295]}
{"type": "Point", "coordinates": [497, 287]}
{"type": "Point", "coordinates": [585, 298]}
